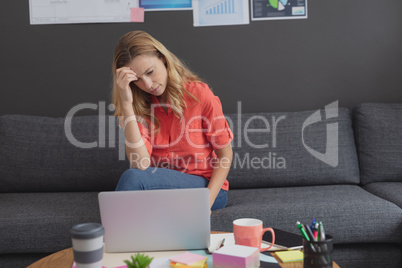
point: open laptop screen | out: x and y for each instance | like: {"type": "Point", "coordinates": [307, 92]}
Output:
{"type": "Point", "coordinates": [153, 220]}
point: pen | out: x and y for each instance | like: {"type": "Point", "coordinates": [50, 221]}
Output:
{"type": "Point", "coordinates": [315, 231]}
{"type": "Point", "coordinates": [310, 234]}
{"type": "Point", "coordinates": [312, 224]}
{"type": "Point", "coordinates": [222, 243]}
{"type": "Point", "coordinates": [322, 232]}
{"type": "Point", "coordinates": [322, 238]}
{"type": "Point", "coordinates": [299, 225]}
{"type": "Point", "coordinates": [304, 234]}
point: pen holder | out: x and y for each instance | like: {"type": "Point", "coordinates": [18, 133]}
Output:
{"type": "Point", "coordinates": [317, 254]}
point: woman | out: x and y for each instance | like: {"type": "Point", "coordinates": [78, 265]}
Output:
{"type": "Point", "coordinates": [173, 122]}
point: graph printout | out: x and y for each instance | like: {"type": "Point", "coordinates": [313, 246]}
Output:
{"type": "Point", "coordinates": [96, 11]}
{"type": "Point", "coordinates": [79, 11]}
{"type": "Point", "coordinates": [220, 12]}
{"type": "Point", "coordinates": [278, 9]}
{"type": "Point", "coordinates": [164, 5]}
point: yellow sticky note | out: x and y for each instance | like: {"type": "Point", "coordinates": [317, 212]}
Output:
{"type": "Point", "coordinates": [290, 255]}
{"type": "Point", "coordinates": [199, 264]}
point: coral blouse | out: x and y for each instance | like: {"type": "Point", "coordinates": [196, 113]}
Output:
{"type": "Point", "coordinates": [188, 145]}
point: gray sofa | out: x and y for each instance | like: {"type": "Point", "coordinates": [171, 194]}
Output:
{"type": "Point", "coordinates": [285, 168]}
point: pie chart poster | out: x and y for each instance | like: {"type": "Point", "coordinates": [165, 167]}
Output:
{"type": "Point", "coordinates": [279, 9]}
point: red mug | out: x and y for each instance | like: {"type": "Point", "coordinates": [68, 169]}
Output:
{"type": "Point", "coordinates": [249, 232]}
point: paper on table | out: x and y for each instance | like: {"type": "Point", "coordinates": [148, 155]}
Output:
{"type": "Point", "coordinates": [161, 258]}
{"type": "Point", "coordinates": [187, 258]}
{"type": "Point", "coordinates": [266, 258]}
{"type": "Point", "coordinates": [165, 263]}
{"type": "Point", "coordinates": [198, 264]}
{"type": "Point", "coordinates": [160, 263]}
{"type": "Point", "coordinates": [124, 266]}
{"type": "Point", "coordinates": [117, 259]}
{"type": "Point", "coordinates": [216, 240]}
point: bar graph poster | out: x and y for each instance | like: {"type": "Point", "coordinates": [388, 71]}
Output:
{"type": "Point", "coordinates": [278, 9]}
{"type": "Point", "coordinates": [220, 12]}
{"type": "Point", "coordinates": [163, 5]}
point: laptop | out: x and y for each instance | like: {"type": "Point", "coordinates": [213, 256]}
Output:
{"type": "Point", "coordinates": [155, 220]}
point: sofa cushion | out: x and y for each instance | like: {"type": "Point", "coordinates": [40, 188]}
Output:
{"type": "Point", "coordinates": [276, 149]}
{"type": "Point", "coordinates": [391, 191]}
{"type": "Point", "coordinates": [378, 130]}
{"type": "Point", "coordinates": [367, 255]}
{"type": "Point", "coordinates": [349, 213]}
{"type": "Point", "coordinates": [41, 222]}
{"type": "Point", "coordinates": [38, 154]}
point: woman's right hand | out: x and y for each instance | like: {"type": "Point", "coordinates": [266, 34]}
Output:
{"type": "Point", "coordinates": [124, 76]}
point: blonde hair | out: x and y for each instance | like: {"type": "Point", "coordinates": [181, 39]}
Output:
{"type": "Point", "coordinates": [136, 43]}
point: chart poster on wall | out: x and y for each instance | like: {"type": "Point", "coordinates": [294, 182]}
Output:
{"type": "Point", "coordinates": [220, 12]}
{"type": "Point", "coordinates": [78, 11]}
{"type": "Point", "coordinates": [278, 9]}
{"type": "Point", "coordinates": [165, 5]}
{"type": "Point", "coordinates": [98, 11]}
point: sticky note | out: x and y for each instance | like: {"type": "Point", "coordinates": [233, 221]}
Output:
{"type": "Point", "coordinates": [290, 255]}
{"type": "Point", "coordinates": [187, 258]}
{"type": "Point", "coordinates": [137, 14]}
{"type": "Point", "coordinates": [200, 264]}
{"type": "Point", "coordinates": [236, 256]}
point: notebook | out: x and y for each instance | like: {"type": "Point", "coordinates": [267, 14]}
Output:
{"type": "Point", "coordinates": [284, 240]}
{"type": "Point", "coordinates": [155, 220]}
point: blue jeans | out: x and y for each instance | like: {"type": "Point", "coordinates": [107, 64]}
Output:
{"type": "Point", "coordinates": [162, 178]}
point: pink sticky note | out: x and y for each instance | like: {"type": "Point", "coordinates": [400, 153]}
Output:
{"type": "Point", "coordinates": [137, 14]}
{"type": "Point", "coordinates": [236, 256]}
{"type": "Point", "coordinates": [187, 258]}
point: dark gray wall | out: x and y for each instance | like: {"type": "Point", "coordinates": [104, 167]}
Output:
{"type": "Point", "coordinates": [349, 51]}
